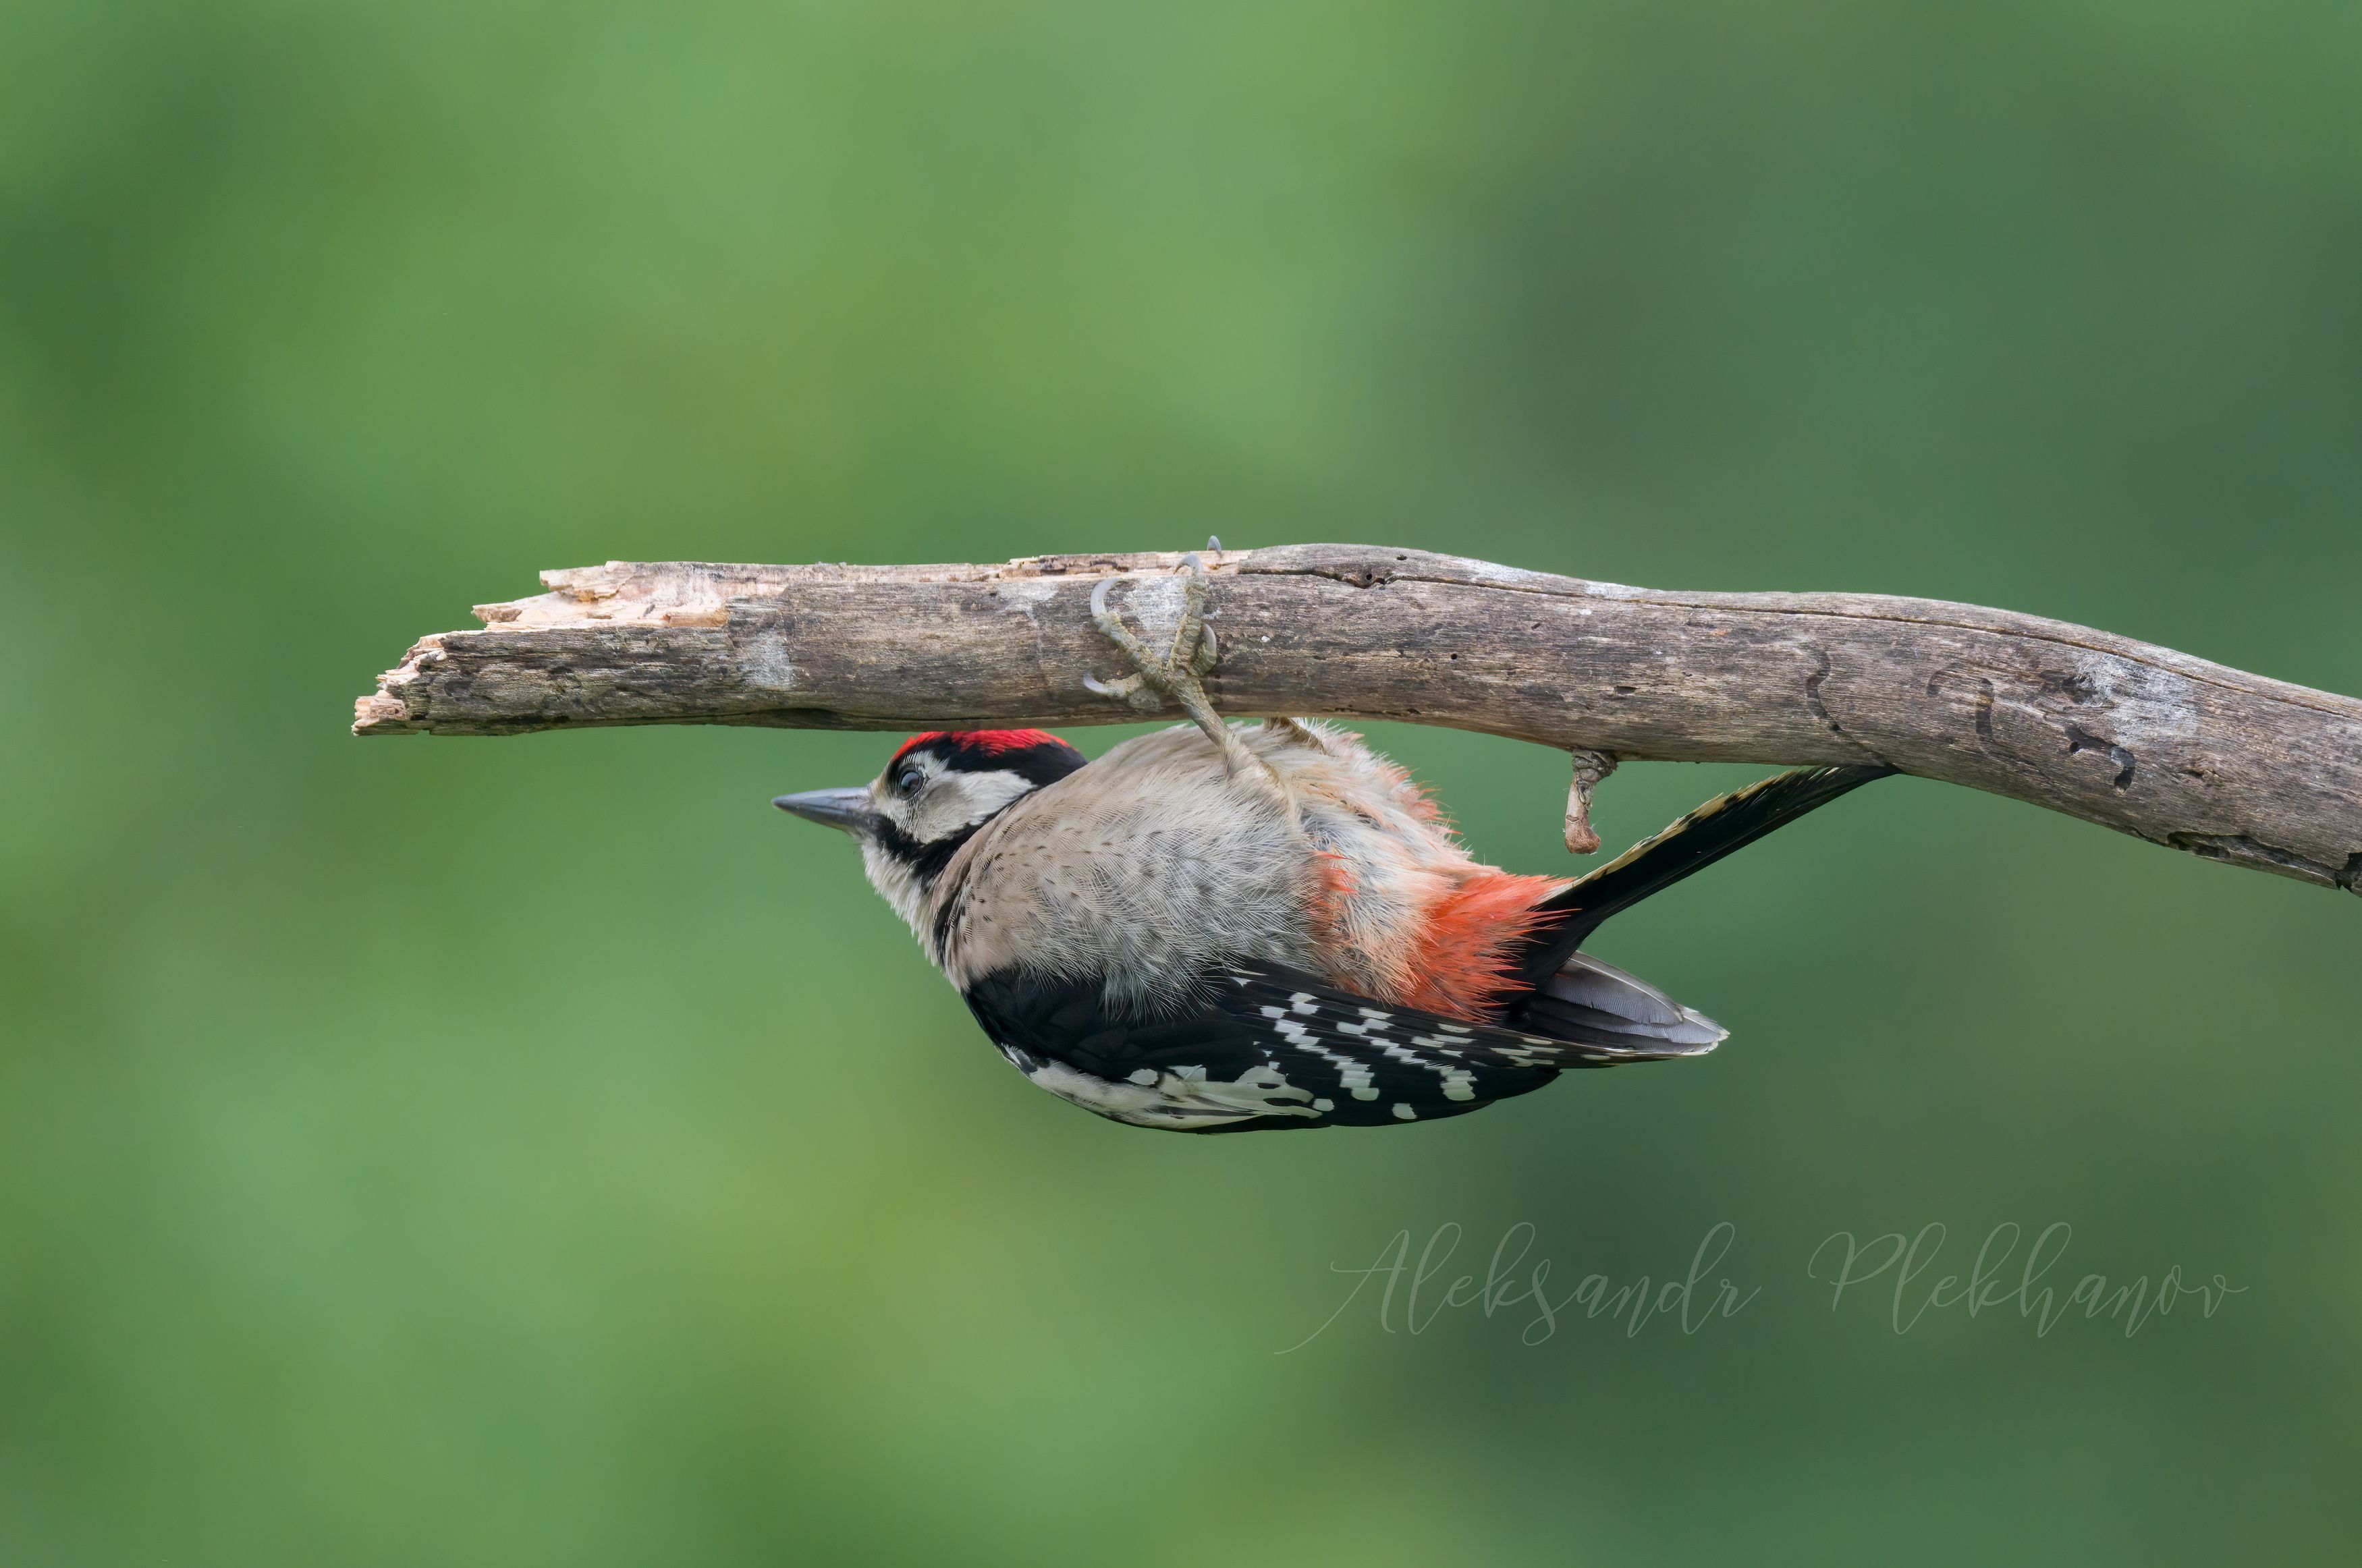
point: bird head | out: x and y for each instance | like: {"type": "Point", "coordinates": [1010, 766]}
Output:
{"type": "Point", "coordinates": [937, 790]}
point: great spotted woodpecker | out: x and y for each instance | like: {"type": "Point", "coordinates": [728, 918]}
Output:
{"type": "Point", "coordinates": [1221, 928]}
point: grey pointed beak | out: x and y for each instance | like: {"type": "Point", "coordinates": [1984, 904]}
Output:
{"type": "Point", "coordinates": [846, 808]}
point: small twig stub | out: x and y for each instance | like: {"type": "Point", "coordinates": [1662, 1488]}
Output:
{"type": "Point", "coordinates": [1590, 768]}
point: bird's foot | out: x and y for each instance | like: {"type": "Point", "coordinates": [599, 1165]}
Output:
{"type": "Point", "coordinates": [1174, 675]}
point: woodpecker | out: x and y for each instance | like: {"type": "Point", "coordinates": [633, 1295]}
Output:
{"type": "Point", "coordinates": [1223, 928]}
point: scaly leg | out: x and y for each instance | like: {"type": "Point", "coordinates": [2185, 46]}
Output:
{"type": "Point", "coordinates": [1173, 676]}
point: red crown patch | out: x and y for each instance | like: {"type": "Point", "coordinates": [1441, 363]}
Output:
{"type": "Point", "coordinates": [982, 743]}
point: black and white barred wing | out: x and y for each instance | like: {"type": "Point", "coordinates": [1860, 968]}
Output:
{"type": "Point", "coordinates": [1271, 1047]}
{"type": "Point", "coordinates": [1371, 1064]}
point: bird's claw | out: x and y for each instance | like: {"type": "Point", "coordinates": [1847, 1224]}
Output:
{"type": "Point", "coordinates": [1126, 686]}
{"type": "Point", "coordinates": [1174, 675]}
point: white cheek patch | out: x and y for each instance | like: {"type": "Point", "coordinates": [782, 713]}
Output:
{"type": "Point", "coordinates": [961, 799]}
{"type": "Point", "coordinates": [948, 804]}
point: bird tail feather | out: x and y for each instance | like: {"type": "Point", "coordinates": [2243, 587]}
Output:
{"type": "Point", "coordinates": [1696, 841]}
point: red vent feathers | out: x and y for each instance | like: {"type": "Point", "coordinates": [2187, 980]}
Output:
{"type": "Point", "coordinates": [1461, 966]}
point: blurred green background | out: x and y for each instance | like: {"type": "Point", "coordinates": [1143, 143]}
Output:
{"type": "Point", "coordinates": [536, 1151]}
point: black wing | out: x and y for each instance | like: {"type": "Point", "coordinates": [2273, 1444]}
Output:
{"type": "Point", "coordinates": [1264, 1046]}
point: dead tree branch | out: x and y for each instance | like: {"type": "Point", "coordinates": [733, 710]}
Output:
{"type": "Point", "coordinates": [2158, 743]}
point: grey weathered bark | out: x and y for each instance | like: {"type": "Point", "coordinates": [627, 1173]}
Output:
{"type": "Point", "coordinates": [2150, 742]}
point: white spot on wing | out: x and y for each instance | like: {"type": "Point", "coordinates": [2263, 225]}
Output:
{"type": "Point", "coordinates": [1352, 1073]}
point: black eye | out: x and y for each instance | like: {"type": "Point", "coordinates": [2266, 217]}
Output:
{"type": "Point", "coordinates": [909, 781]}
